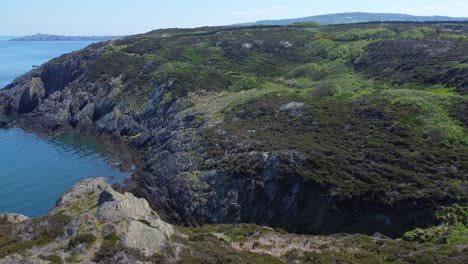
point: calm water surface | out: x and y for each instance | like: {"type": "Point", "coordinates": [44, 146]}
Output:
{"type": "Point", "coordinates": [18, 57]}
{"type": "Point", "coordinates": [34, 171]}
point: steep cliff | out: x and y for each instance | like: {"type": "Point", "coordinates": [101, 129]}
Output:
{"type": "Point", "coordinates": [303, 128]}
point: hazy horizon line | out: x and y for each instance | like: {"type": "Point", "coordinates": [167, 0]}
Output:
{"type": "Point", "coordinates": [15, 35]}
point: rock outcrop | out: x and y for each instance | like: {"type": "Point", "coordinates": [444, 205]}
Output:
{"type": "Point", "coordinates": [6, 219]}
{"type": "Point", "coordinates": [87, 218]}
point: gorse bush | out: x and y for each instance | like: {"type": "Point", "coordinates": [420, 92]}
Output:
{"type": "Point", "coordinates": [349, 52]}
{"type": "Point", "coordinates": [439, 127]}
{"type": "Point", "coordinates": [312, 71]}
{"type": "Point", "coordinates": [453, 228]}
{"type": "Point", "coordinates": [321, 47]}
{"type": "Point", "coordinates": [366, 34]}
{"type": "Point", "coordinates": [245, 83]}
{"type": "Point", "coordinates": [418, 33]}
{"type": "Point", "coordinates": [52, 258]}
{"type": "Point", "coordinates": [324, 89]}
{"type": "Point", "coordinates": [84, 239]}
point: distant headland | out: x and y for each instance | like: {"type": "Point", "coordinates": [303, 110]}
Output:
{"type": "Point", "coordinates": [48, 37]}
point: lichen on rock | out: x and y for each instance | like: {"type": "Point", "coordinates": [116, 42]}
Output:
{"type": "Point", "coordinates": [96, 214]}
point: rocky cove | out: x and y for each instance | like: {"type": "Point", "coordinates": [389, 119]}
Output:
{"type": "Point", "coordinates": [168, 141]}
{"type": "Point", "coordinates": [283, 127]}
{"type": "Point", "coordinates": [35, 171]}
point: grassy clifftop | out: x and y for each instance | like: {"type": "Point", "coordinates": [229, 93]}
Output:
{"type": "Point", "coordinates": [382, 112]}
{"type": "Point", "coordinates": [314, 129]}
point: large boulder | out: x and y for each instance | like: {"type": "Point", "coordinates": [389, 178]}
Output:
{"type": "Point", "coordinates": [142, 228]}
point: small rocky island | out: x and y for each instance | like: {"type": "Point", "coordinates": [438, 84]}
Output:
{"type": "Point", "coordinates": [48, 37]}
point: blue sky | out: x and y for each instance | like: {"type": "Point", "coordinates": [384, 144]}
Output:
{"type": "Point", "coordinates": [120, 17]}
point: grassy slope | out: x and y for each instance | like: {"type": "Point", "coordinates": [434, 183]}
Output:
{"type": "Point", "coordinates": [374, 133]}
{"type": "Point", "coordinates": [367, 133]}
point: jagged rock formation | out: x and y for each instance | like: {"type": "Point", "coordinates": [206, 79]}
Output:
{"type": "Point", "coordinates": [86, 219]}
{"type": "Point", "coordinates": [295, 130]}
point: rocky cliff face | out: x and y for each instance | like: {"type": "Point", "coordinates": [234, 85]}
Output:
{"type": "Point", "coordinates": [226, 132]}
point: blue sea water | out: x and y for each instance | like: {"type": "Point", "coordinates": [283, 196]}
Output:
{"type": "Point", "coordinates": [35, 171]}
{"type": "Point", "coordinates": [18, 57]}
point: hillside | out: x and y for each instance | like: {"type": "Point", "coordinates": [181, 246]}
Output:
{"type": "Point", "coordinates": [356, 17]}
{"type": "Point", "coordinates": [358, 128]}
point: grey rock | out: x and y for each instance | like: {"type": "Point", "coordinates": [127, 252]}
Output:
{"type": "Point", "coordinates": [143, 229]}
{"type": "Point", "coordinates": [247, 46]}
{"type": "Point", "coordinates": [105, 197]}
{"type": "Point", "coordinates": [291, 106]}
{"type": "Point", "coordinates": [293, 109]}
{"type": "Point", "coordinates": [286, 44]}
{"type": "Point", "coordinates": [6, 219]}
{"type": "Point", "coordinates": [79, 192]}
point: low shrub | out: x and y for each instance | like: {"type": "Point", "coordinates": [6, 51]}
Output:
{"type": "Point", "coordinates": [84, 239]}
{"type": "Point", "coordinates": [52, 258]}
{"type": "Point", "coordinates": [325, 89]}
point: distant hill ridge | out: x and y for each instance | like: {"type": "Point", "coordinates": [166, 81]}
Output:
{"type": "Point", "coordinates": [48, 37]}
{"type": "Point", "coordinates": [356, 17]}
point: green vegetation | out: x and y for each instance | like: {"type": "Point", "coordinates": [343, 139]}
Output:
{"type": "Point", "coordinates": [211, 244]}
{"type": "Point", "coordinates": [453, 228]}
{"type": "Point", "coordinates": [72, 259]}
{"type": "Point", "coordinates": [52, 258]}
{"type": "Point", "coordinates": [364, 34]}
{"type": "Point", "coordinates": [418, 33]}
{"type": "Point", "coordinates": [245, 83]}
{"type": "Point", "coordinates": [374, 115]}
{"type": "Point", "coordinates": [437, 125]}
{"type": "Point", "coordinates": [42, 234]}
{"type": "Point", "coordinates": [112, 246]}
{"type": "Point", "coordinates": [315, 135]}
{"type": "Point", "coordinates": [87, 240]}
{"type": "Point", "coordinates": [383, 103]}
